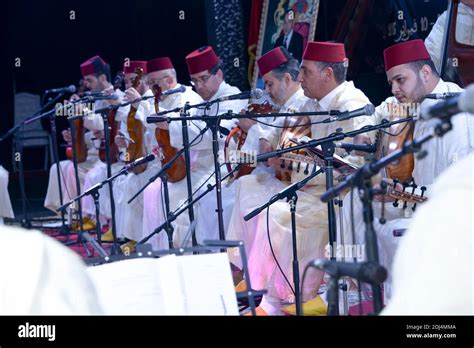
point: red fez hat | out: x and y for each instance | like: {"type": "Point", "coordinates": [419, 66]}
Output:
{"type": "Point", "coordinates": [92, 65]}
{"type": "Point", "coordinates": [201, 59]}
{"type": "Point", "coordinates": [405, 52]}
{"type": "Point", "coordinates": [271, 60]}
{"type": "Point", "coordinates": [131, 65]}
{"type": "Point", "coordinates": [329, 52]}
{"type": "Point", "coordinates": [158, 64]}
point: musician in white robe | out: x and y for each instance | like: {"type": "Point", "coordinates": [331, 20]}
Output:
{"type": "Point", "coordinates": [128, 217]}
{"type": "Point", "coordinates": [412, 75]}
{"type": "Point", "coordinates": [322, 77]}
{"type": "Point", "coordinates": [208, 79]}
{"type": "Point", "coordinates": [6, 210]}
{"type": "Point", "coordinates": [96, 74]}
{"type": "Point", "coordinates": [161, 72]}
{"type": "Point", "coordinates": [464, 33]}
{"type": "Point", "coordinates": [281, 84]}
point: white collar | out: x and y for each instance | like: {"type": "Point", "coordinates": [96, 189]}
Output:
{"type": "Point", "coordinates": [325, 102]}
{"type": "Point", "coordinates": [297, 95]}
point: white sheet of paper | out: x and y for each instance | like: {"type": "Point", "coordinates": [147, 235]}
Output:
{"type": "Point", "coordinates": [139, 287]}
{"type": "Point", "coordinates": [207, 282]}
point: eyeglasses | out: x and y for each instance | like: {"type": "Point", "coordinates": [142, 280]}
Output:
{"type": "Point", "coordinates": [157, 80]}
{"type": "Point", "coordinates": [203, 80]}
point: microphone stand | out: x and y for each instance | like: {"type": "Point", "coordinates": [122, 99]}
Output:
{"type": "Point", "coordinates": [78, 186]}
{"type": "Point", "coordinates": [94, 192]}
{"type": "Point", "coordinates": [212, 123]}
{"type": "Point", "coordinates": [291, 197]}
{"type": "Point", "coordinates": [104, 112]}
{"type": "Point", "coordinates": [164, 177]}
{"type": "Point", "coordinates": [187, 159]}
{"type": "Point", "coordinates": [361, 180]}
{"type": "Point", "coordinates": [172, 216]}
{"type": "Point", "coordinates": [115, 247]}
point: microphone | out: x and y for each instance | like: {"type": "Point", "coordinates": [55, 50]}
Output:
{"type": "Point", "coordinates": [368, 110]}
{"type": "Point", "coordinates": [254, 93]}
{"type": "Point", "coordinates": [366, 272]}
{"type": "Point", "coordinates": [369, 148]}
{"type": "Point", "coordinates": [70, 89]}
{"type": "Point", "coordinates": [142, 160]}
{"type": "Point", "coordinates": [442, 95]}
{"type": "Point", "coordinates": [180, 89]}
{"type": "Point", "coordinates": [464, 102]}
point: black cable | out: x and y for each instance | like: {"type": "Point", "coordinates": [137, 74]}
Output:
{"type": "Point", "coordinates": [274, 256]}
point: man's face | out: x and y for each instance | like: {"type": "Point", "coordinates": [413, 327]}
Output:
{"type": "Point", "coordinates": [129, 78]}
{"type": "Point", "coordinates": [406, 84]}
{"type": "Point", "coordinates": [94, 83]}
{"type": "Point", "coordinates": [288, 23]}
{"type": "Point", "coordinates": [275, 88]}
{"type": "Point", "coordinates": [206, 84]}
{"type": "Point", "coordinates": [311, 79]}
{"type": "Point", "coordinates": [159, 78]}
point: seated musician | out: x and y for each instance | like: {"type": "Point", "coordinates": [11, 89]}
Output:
{"type": "Point", "coordinates": [280, 72]}
{"type": "Point", "coordinates": [161, 72]}
{"type": "Point", "coordinates": [208, 79]}
{"type": "Point", "coordinates": [323, 81]}
{"type": "Point", "coordinates": [96, 74]}
{"type": "Point", "coordinates": [412, 76]}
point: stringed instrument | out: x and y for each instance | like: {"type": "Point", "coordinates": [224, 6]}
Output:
{"type": "Point", "coordinates": [399, 134]}
{"type": "Point", "coordinates": [389, 190]}
{"type": "Point", "coordinates": [239, 137]}
{"type": "Point", "coordinates": [295, 127]}
{"type": "Point", "coordinates": [177, 170]}
{"type": "Point", "coordinates": [113, 127]}
{"type": "Point", "coordinates": [136, 131]}
{"type": "Point", "coordinates": [80, 146]}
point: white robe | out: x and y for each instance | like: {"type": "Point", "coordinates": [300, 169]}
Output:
{"type": "Point", "coordinates": [5, 202]}
{"type": "Point", "coordinates": [202, 168]}
{"type": "Point", "coordinates": [46, 278]}
{"type": "Point", "coordinates": [442, 152]}
{"type": "Point", "coordinates": [433, 266]}
{"type": "Point", "coordinates": [311, 213]}
{"type": "Point", "coordinates": [209, 221]}
{"type": "Point", "coordinates": [99, 173]}
{"type": "Point", "coordinates": [464, 33]}
{"type": "Point", "coordinates": [68, 178]}
{"type": "Point", "coordinates": [129, 217]}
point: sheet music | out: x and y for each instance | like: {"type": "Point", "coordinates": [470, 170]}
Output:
{"type": "Point", "coordinates": [139, 287]}
{"type": "Point", "coordinates": [170, 285]}
{"type": "Point", "coordinates": [207, 282]}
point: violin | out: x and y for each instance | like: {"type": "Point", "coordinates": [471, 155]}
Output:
{"type": "Point", "coordinates": [136, 130]}
{"type": "Point", "coordinates": [239, 137]}
{"type": "Point", "coordinates": [113, 127]}
{"type": "Point", "coordinates": [177, 170]}
{"type": "Point", "coordinates": [79, 133]}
